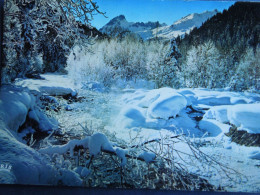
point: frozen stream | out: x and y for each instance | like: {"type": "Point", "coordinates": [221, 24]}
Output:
{"type": "Point", "coordinates": [101, 113]}
{"type": "Point", "coordinates": [204, 115]}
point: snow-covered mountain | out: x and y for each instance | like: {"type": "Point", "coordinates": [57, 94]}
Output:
{"type": "Point", "coordinates": [150, 30]}
{"type": "Point", "coordinates": [184, 25]}
{"type": "Point", "coordinates": [119, 24]}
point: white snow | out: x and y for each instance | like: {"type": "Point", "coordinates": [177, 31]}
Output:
{"type": "Point", "coordinates": [245, 117]}
{"type": "Point", "coordinates": [45, 123]}
{"type": "Point", "coordinates": [97, 142]}
{"type": "Point", "coordinates": [218, 113]}
{"type": "Point", "coordinates": [151, 108]}
{"type": "Point", "coordinates": [28, 166]}
{"type": "Point", "coordinates": [121, 154]}
{"type": "Point", "coordinates": [14, 106]}
{"type": "Point", "coordinates": [213, 127]}
{"type": "Point", "coordinates": [179, 28]}
{"type": "Point", "coordinates": [184, 25]}
{"type": "Point", "coordinates": [53, 84]}
{"type": "Point", "coordinates": [169, 104]}
{"type": "Point", "coordinates": [149, 114]}
{"type": "Point", "coordinates": [255, 155]}
{"type": "Point", "coordinates": [147, 156]}
{"type": "Point", "coordinates": [62, 149]}
{"type": "Point", "coordinates": [94, 143]}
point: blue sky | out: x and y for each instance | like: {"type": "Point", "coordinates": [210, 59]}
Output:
{"type": "Point", "coordinates": [164, 11]}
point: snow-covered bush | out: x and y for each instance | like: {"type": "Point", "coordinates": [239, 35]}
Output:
{"type": "Point", "coordinates": [126, 59]}
{"type": "Point", "coordinates": [165, 69]}
{"type": "Point", "coordinates": [85, 67]}
{"type": "Point", "coordinates": [203, 67]}
{"type": "Point", "coordinates": [155, 164]}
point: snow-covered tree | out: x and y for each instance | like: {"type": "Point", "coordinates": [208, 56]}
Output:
{"type": "Point", "coordinates": [165, 71]}
{"type": "Point", "coordinates": [203, 67]}
{"type": "Point", "coordinates": [247, 75]}
{"type": "Point", "coordinates": [44, 28]}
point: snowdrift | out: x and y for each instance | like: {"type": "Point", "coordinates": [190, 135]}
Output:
{"type": "Point", "coordinates": [243, 116]}
{"type": "Point", "coordinates": [51, 84]}
{"type": "Point", "coordinates": [27, 165]}
{"type": "Point", "coordinates": [151, 108]}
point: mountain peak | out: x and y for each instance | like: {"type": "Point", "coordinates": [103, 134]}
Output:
{"type": "Point", "coordinates": [117, 20]}
{"type": "Point", "coordinates": [155, 29]}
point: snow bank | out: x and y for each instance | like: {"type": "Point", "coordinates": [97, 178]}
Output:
{"type": "Point", "coordinates": [28, 166]}
{"type": "Point", "coordinates": [218, 113]}
{"type": "Point", "coordinates": [213, 127]}
{"type": "Point", "coordinates": [52, 84]}
{"type": "Point", "coordinates": [14, 106]}
{"type": "Point", "coordinates": [151, 108]}
{"type": "Point", "coordinates": [168, 104]}
{"type": "Point", "coordinates": [245, 117]}
{"type": "Point", "coordinates": [216, 97]}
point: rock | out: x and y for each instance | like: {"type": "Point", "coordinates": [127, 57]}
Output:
{"type": "Point", "coordinates": [243, 137]}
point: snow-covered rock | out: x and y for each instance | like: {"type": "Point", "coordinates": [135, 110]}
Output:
{"type": "Point", "coordinates": [218, 113]}
{"type": "Point", "coordinates": [27, 165]}
{"type": "Point", "coordinates": [245, 117]}
{"type": "Point", "coordinates": [168, 104]}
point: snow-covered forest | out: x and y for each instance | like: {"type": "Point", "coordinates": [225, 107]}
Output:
{"type": "Point", "coordinates": [83, 108]}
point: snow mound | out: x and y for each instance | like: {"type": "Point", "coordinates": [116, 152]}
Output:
{"type": "Point", "coordinates": [151, 108]}
{"type": "Point", "coordinates": [213, 127]}
{"type": "Point", "coordinates": [27, 165]}
{"type": "Point", "coordinates": [254, 155]}
{"type": "Point", "coordinates": [245, 117]}
{"type": "Point", "coordinates": [14, 106]}
{"type": "Point", "coordinates": [218, 113]}
{"type": "Point", "coordinates": [168, 104]}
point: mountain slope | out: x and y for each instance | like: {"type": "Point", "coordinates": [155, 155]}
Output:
{"type": "Point", "coordinates": [232, 31]}
{"type": "Point", "coordinates": [184, 25]}
{"type": "Point", "coordinates": [119, 25]}
{"type": "Point", "coordinates": [150, 30]}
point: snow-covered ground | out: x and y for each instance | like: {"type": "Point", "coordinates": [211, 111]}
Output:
{"type": "Point", "coordinates": [203, 115]}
